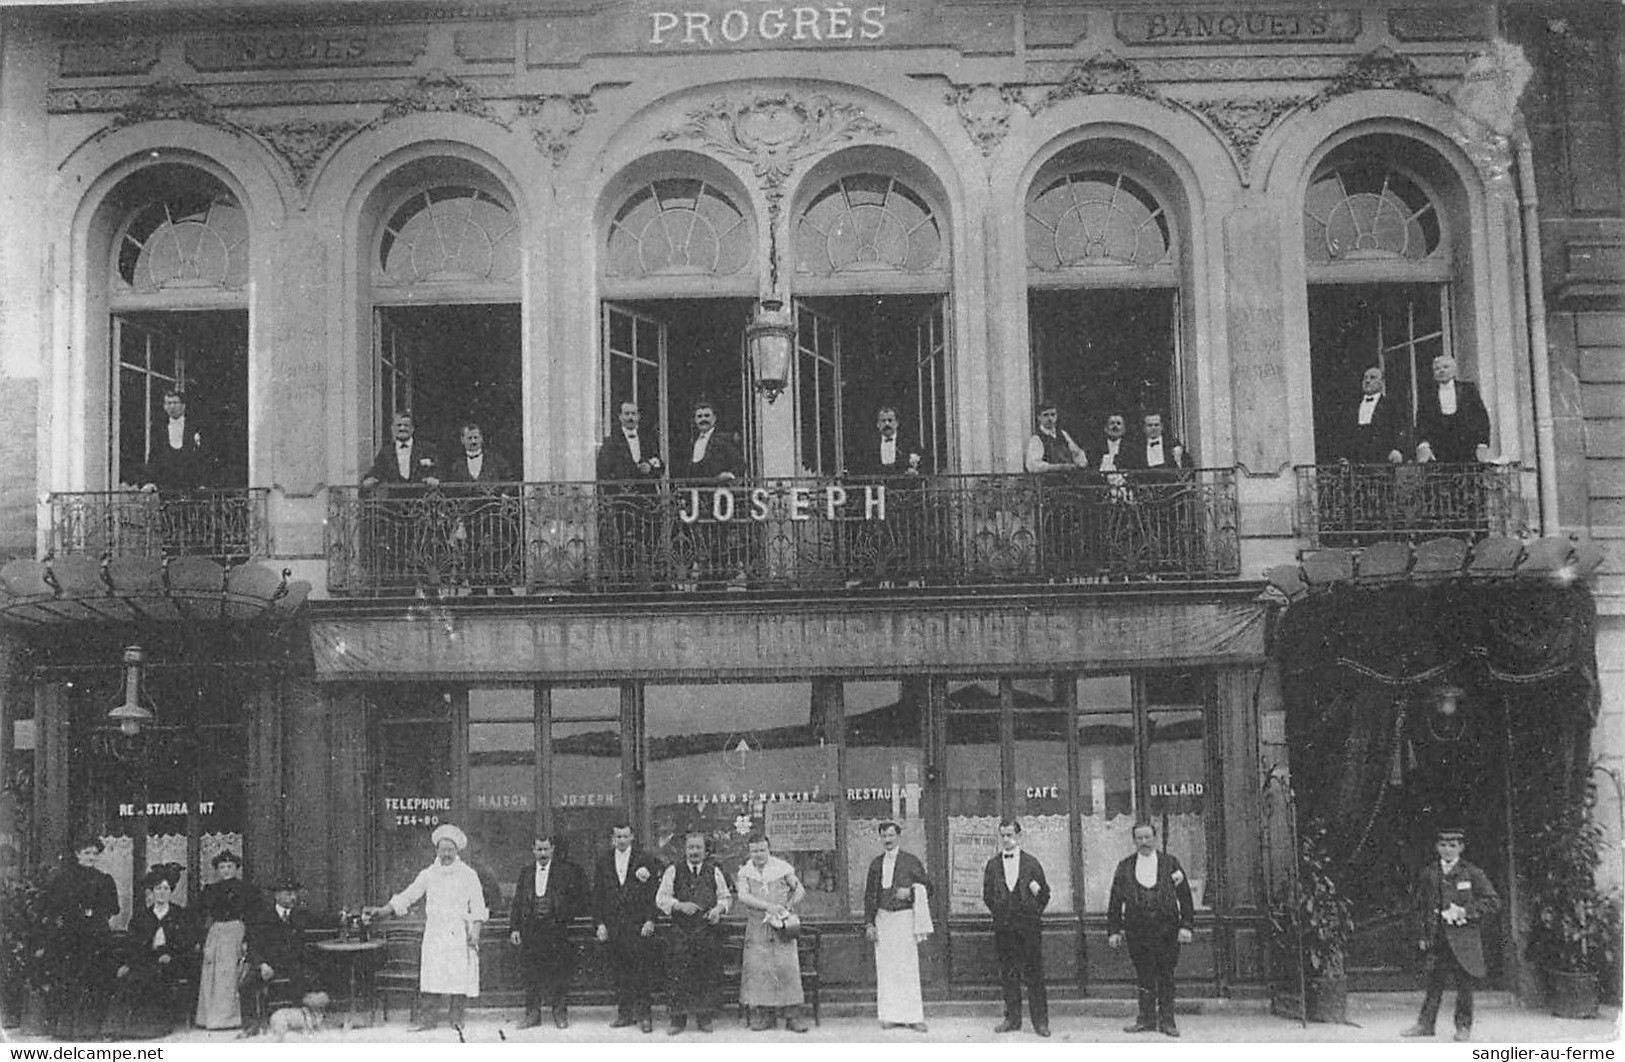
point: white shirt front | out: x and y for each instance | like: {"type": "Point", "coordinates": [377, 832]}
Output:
{"type": "Point", "coordinates": [1012, 868]}
{"type": "Point", "coordinates": [403, 458]}
{"type": "Point", "coordinates": [475, 463]}
{"type": "Point", "coordinates": [1447, 398]}
{"type": "Point", "coordinates": [282, 913]}
{"type": "Point", "coordinates": [1445, 868]}
{"type": "Point", "coordinates": [623, 860]}
{"type": "Point", "coordinates": [541, 878]}
{"type": "Point", "coordinates": [888, 451]}
{"type": "Point", "coordinates": [160, 913]}
{"type": "Point", "coordinates": [1368, 409]}
{"type": "Point", "coordinates": [700, 443]}
{"type": "Point", "coordinates": [177, 433]}
{"type": "Point", "coordinates": [1108, 460]}
{"type": "Point", "coordinates": [632, 445]}
{"type": "Point", "coordinates": [1153, 453]}
{"type": "Point", "coordinates": [888, 867]}
{"type": "Point", "coordinates": [1145, 869]}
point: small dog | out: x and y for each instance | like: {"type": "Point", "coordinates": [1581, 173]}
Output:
{"type": "Point", "coordinates": [306, 1019]}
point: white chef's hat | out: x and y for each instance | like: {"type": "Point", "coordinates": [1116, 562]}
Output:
{"type": "Point", "coordinates": [448, 832]}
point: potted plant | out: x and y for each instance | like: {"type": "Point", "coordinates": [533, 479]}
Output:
{"type": "Point", "coordinates": [1313, 928]}
{"type": "Point", "coordinates": [1574, 933]}
{"type": "Point", "coordinates": [24, 972]}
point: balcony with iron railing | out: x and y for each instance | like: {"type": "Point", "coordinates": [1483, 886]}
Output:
{"type": "Point", "coordinates": [1347, 505]}
{"type": "Point", "coordinates": [230, 526]}
{"type": "Point", "coordinates": [782, 534]}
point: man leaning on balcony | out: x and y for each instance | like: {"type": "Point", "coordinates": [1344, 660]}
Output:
{"type": "Point", "coordinates": [883, 553]}
{"type": "Point", "coordinates": [628, 470]}
{"type": "Point", "coordinates": [1066, 533]}
{"type": "Point", "coordinates": [388, 531]}
{"type": "Point", "coordinates": [1452, 428]}
{"type": "Point", "coordinates": [179, 467]}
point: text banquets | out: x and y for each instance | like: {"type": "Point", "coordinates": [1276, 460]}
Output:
{"type": "Point", "coordinates": [756, 21]}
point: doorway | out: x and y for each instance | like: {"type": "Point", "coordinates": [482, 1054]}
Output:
{"type": "Point", "coordinates": [202, 352]}
{"type": "Point", "coordinates": [1105, 350]}
{"type": "Point", "coordinates": [448, 364]}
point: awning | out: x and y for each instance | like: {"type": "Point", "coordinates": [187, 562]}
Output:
{"type": "Point", "coordinates": [81, 589]}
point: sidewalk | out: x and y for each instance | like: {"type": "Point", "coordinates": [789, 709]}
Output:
{"type": "Point", "coordinates": [1374, 1018]}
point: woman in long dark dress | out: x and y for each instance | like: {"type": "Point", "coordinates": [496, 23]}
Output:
{"type": "Point", "coordinates": [160, 965]}
{"type": "Point", "coordinates": [227, 906]}
{"type": "Point", "coordinates": [79, 900]}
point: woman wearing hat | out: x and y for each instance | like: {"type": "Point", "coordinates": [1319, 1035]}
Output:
{"type": "Point", "coordinates": [79, 901]}
{"type": "Point", "coordinates": [227, 905]}
{"type": "Point", "coordinates": [160, 961]}
{"type": "Point", "coordinates": [771, 977]}
{"type": "Point", "coordinates": [454, 914]}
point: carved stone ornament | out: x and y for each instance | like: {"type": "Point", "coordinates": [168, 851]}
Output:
{"type": "Point", "coordinates": [1243, 121]}
{"type": "Point", "coordinates": [438, 92]}
{"type": "Point", "coordinates": [167, 99]}
{"type": "Point", "coordinates": [554, 122]}
{"type": "Point", "coordinates": [303, 143]}
{"type": "Point", "coordinates": [1104, 73]}
{"type": "Point", "coordinates": [774, 131]}
{"type": "Point", "coordinates": [985, 112]}
{"type": "Point", "coordinates": [1380, 69]}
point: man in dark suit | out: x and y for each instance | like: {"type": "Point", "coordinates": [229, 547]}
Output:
{"type": "Point", "coordinates": [1452, 425]}
{"type": "Point", "coordinates": [1163, 528]}
{"type": "Point", "coordinates": [1108, 452]}
{"type": "Point", "coordinates": [694, 894]}
{"type": "Point", "coordinates": [1151, 901]}
{"type": "Point", "coordinates": [391, 535]}
{"type": "Point", "coordinates": [548, 894]}
{"type": "Point", "coordinates": [624, 887]}
{"type": "Point", "coordinates": [711, 463]}
{"type": "Point", "coordinates": [1016, 892]}
{"type": "Point", "coordinates": [892, 549]}
{"type": "Point", "coordinates": [178, 462]}
{"type": "Point", "coordinates": [1373, 431]}
{"type": "Point", "coordinates": [1453, 898]}
{"type": "Point", "coordinates": [490, 513]}
{"type": "Point", "coordinates": [279, 969]}
{"type": "Point", "coordinates": [628, 468]}
{"type": "Point", "coordinates": [1154, 450]}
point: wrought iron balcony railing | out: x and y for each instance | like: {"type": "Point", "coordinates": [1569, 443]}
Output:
{"type": "Point", "coordinates": [229, 526]}
{"type": "Point", "coordinates": [1356, 505]}
{"type": "Point", "coordinates": [782, 534]}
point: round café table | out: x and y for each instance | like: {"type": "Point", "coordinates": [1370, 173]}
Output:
{"type": "Point", "coordinates": [354, 955]}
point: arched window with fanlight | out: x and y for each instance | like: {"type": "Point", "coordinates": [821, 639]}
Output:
{"type": "Point", "coordinates": [872, 278]}
{"type": "Point", "coordinates": [1103, 307]}
{"type": "Point", "coordinates": [1376, 245]}
{"type": "Point", "coordinates": [446, 267]}
{"type": "Point", "coordinates": [177, 289]}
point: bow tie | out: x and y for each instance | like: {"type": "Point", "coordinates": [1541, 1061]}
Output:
{"type": "Point", "coordinates": [1009, 855]}
{"type": "Point", "coordinates": [473, 456]}
{"type": "Point", "coordinates": [403, 446]}
{"type": "Point", "coordinates": [631, 435]}
{"type": "Point", "coordinates": [1157, 443]}
{"type": "Point", "coordinates": [1369, 399]}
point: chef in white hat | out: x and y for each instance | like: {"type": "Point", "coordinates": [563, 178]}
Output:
{"type": "Point", "coordinates": [454, 914]}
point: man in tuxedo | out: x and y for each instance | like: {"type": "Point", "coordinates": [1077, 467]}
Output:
{"type": "Point", "coordinates": [712, 462]}
{"type": "Point", "coordinates": [488, 527]}
{"type": "Point", "coordinates": [624, 888]}
{"type": "Point", "coordinates": [1108, 451]}
{"type": "Point", "coordinates": [180, 469]}
{"type": "Point", "coordinates": [897, 920]}
{"type": "Point", "coordinates": [1373, 431]}
{"type": "Point", "coordinates": [391, 534]}
{"type": "Point", "coordinates": [279, 971]}
{"type": "Point", "coordinates": [1154, 450]}
{"type": "Point", "coordinates": [1162, 520]}
{"type": "Point", "coordinates": [1016, 892]}
{"type": "Point", "coordinates": [1065, 532]}
{"type": "Point", "coordinates": [1151, 901]}
{"type": "Point", "coordinates": [548, 894]}
{"type": "Point", "coordinates": [893, 548]}
{"type": "Point", "coordinates": [694, 894]}
{"type": "Point", "coordinates": [1453, 898]}
{"type": "Point", "coordinates": [628, 469]}
{"type": "Point", "coordinates": [1452, 425]}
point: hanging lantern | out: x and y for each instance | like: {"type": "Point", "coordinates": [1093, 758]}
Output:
{"type": "Point", "coordinates": [132, 715]}
{"type": "Point", "coordinates": [770, 337]}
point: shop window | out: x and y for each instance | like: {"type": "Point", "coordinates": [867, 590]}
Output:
{"type": "Point", "coordinates": [885, 775]}
{"type": "Point", "coordinates": [190, 239]}
{"type": "Point", "coordinates": [1142, 754]}
{"type": "Point", "coordinates": [450, 233]}
{"type": "Point", "coordinates": [415, 782]}
{"type": "Point", "coordinates": [868, 222]}
{"type": "Point", "coordinates": [1361, 209]}
{"type": "Point", "coordinates": [1040, 790]}
{"type": "Point", "coordinates": [729, 759]}
{"type": "Point", "coordinates": [501, 817]}
{"type": "Point", "coordinates": [584, 780]}
{"type": "Point", "coordinates": [975, 790]}
{"type": "Point", "coordinates": [681, 226]}
{"type": "Point", "coordinates": [1096, 218]}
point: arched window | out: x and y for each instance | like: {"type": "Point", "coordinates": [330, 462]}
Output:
{"type": "Point", "coordinates": [184, 240]}
{"type": "Point", "coordinates": [1363, 211]}
{"type": "Point", "coordinates": [1092, 218]}
{"type": "Point", "coordinates": [449, 233]}
{"type": "Point", "coordinates": [680, 226]}
{"type": "Point", "coordinates": [868, 222]}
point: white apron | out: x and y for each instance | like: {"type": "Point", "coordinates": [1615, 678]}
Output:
{"type": "Point", "coordinates": [452, 901]}
{"type": "Point", "coordinates": [897, 961]}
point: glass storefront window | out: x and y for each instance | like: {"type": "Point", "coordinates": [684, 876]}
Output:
{"type": "Point", "coordinates": [501, 820]}
{"type": "Point", "coordinates": [974, 790]}
{"type": "Point", "coordinates": [415, 781]}
{"type": "Point", "coordinates": [584, 782]}
{"type": "Point", "coordinates": [885, 775]}
{"type": "Point", "coordinates": [1106, 803]}
{"type": "Point", "coordinates": [1176, 772]}
{"type": "Point", "coordinates": [729, 759]}
{"type": "Point", "coordinates": [1041, 785]}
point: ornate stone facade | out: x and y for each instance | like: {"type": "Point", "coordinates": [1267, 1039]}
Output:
{"type": "Point", "coordinates": [985, 112]}
{"type": "Point", "coordinates": [554, 121]}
